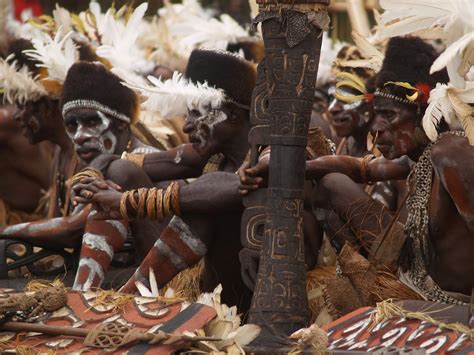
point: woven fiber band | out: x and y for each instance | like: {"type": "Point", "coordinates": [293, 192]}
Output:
{"type": "Point", "coordinates": [387, 95]}
{"type": "Point", "coordinates": [94, 105]}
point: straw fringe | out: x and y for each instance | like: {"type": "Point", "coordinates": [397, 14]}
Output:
{"type": "Point", "coordinates": [387, 309]}
{"type": "Point", "coordinates": [118, 301]}
{"type": "Point", "coordinates": [35, 285]}
{"type": "Point", "coordinates": [186, 283]}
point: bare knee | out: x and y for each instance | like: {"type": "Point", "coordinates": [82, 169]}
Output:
{"type": "Point", "coordinates": [127, 174]}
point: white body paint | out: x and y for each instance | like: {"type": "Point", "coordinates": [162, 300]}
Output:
{"type": "Point", "coordinates": [96, 136]}
{"type": "Point", "coordinates": [195, 244]}
{"type": "Point", "coordinates": [95, 269]}
{"type": "Point", "coordinates": [98, 242]}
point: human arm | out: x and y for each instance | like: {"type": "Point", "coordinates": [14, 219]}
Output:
{"type": "Point", "coordinates": [358, 169]}
{"type": "Point", "coordinates": [184, 161]}
{"type": "Point", "coordinates": [57, 233]}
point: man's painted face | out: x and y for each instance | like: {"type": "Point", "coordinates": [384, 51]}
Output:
{"type": "Point", "coordinates": [33, 119]}
{"type": "Point", "coordinates": [200, 126]}
{"type": "Point", "coordinates": [345, 118]}
{"type": "Point", "coordinates": [394, 127]}
{"type": "Point", "coordinates": [91, 132]}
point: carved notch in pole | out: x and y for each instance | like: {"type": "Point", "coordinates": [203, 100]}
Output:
{"type": "Point", "coordinates": [292, 32]}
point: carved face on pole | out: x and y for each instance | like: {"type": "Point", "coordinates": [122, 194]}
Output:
{"type": "Point", "coordinates": [395, 127]}
{"type": "Point", "coordinates": [348, 118]}
{"type": "Point", "coordinates": [92, 132]}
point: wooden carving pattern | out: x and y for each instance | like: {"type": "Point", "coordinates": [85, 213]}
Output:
{"type": "Point", "coordinates": [280, 299]}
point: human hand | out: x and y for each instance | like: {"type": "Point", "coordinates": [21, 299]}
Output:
{"type": "Point", "coordinates": [105, 195]}
{"type": "Point", "coordinates": [253, 178]}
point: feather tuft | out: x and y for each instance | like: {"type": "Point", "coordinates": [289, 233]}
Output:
{"type": "Point", "coordinates": [56, 54]}
{"type": "Point", "coordinates": [18, 84]}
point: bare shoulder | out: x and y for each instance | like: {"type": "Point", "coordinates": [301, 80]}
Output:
{"type": "Point", "coordinates": [453, 151]}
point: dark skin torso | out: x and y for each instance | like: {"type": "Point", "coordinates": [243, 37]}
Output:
{"type": "Point", "coordinates": [25, 167]}
{"type": "Point", "coordinates": [451, 212]}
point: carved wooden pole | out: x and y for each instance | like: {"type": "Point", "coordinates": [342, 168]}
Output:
{"type": "Point", "coordinates": [292, 34]}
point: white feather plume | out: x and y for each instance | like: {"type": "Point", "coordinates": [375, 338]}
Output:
{"type": "Point", "coordinates": [174, 97]}
{"type": "Point", "coordinates": [454, 17]}
{"type": "Point", "coordinates": [455, 49]}
{"type": "Point", "coordinates": [121, 49]}
{"type": "Point", "coordinates": [55, 54]}
{"type": "Point", "coordinates": [18, 84]}
{"type": "Point", "coordinates": [199, 32]}
{"type": "Point", "coordinates": [449, 103]}
{"type": "Point", "coordinates": [187, 26]}
{"type": "Point", "coordinates": [329, 50]}
{"type": "Point", "coordinates": [62, 19]}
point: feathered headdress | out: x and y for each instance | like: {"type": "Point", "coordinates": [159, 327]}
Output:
{"type": "Point", "coordinates": [120, 48]}
{"type": "Point", "coordinates": [371, 56]}
{"type": "Point", "coordinates": [17, 84]}
{"type": "Point", "coordinates": [174, 97]}
{"type": "Point", "coordinates": [451, 21]}
{"type": "Point", "coordinates": [354, 83]}
{"type": "Point", "coordinates": [54, 57]}
{"type": "Point", "coordinates": [450, 103]}
{"type": "Point", "coordinates": [187, 26]}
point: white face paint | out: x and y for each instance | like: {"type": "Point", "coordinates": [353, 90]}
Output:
{"type": "Point", "coordinates": [208, 118]}
{"type": "Point", "coordinates": [91, 140]}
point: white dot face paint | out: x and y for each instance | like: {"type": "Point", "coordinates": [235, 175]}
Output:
{"type": "Point", "coordinates": [94, 137]}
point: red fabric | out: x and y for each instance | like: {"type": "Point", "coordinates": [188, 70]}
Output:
{"type": "Point", "coordinates": [21, 5]}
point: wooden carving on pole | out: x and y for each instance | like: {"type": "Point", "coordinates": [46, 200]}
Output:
{"type": "Point", "coordinates": [283, 97]}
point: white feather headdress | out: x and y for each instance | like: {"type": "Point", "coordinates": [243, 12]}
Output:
{"type": "Point", "coordinates": [187, 26]}
{"type": "Point", "coordinates": [56, 54]}
{"type": "Point", "coordinates": [174, 97]}
{"type": "Point", "coordinates": [449, 20]}
{"type": "Point", "coordinates": [120, 48]}
{"type": "Point", "coordinates": [18, 84]}
{"type": "Point", "coordinates": [450, 103]}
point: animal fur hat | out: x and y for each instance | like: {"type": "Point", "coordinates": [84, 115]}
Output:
{"type": "Point", "coordinates": [93, 86]}
{"type": "Point", "coordinates": [405, 70]}
{"type": "Point", "coordinates": [223, 70]}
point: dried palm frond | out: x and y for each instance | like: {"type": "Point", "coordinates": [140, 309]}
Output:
{"type": "Point", "coordinates": [312, 338]}
{"type": "Point", "coordinates": [226, 326]}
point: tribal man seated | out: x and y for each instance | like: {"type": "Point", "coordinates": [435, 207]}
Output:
{"type": "Point", "coordinates": [436, 259]}
{"type": "Point", "coordinates": [210, 207]}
